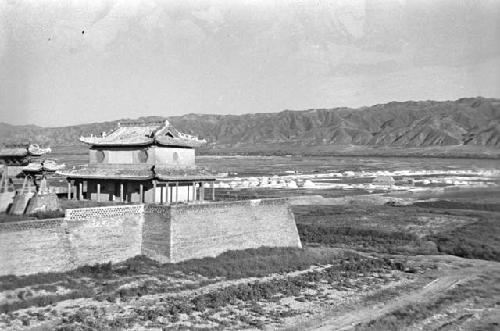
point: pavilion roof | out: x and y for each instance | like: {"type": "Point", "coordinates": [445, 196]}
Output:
{"type": "Point", "coordinates": [137, 173]}
{"type": "Point", "coordinates": [89, 171]}
{"type": "Point", "coordinates": [14, 151]}
{"type": "Point", "coordinates": [173, 174]}
{"type": "Point", "coordinates": [47, 165]}
{"type": "Point", "coordinates": [144, 133]}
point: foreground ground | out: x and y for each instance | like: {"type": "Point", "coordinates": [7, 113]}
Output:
{"type": "Point", "coordinates": [429, 266]}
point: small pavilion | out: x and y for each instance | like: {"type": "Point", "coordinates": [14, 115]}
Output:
{"type": "Point", "coordinates": [140, 162]}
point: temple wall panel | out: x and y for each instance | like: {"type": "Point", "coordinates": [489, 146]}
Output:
{"type": "Point", "coordinates": [173, 157]}
{"type": "Point", "coordinates": [119, 155]}
{"type": "Point", "coordinates": [162, 156]}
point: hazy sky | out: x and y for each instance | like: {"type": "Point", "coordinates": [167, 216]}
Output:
{"type": "Point", "coordinates": [138, 58]}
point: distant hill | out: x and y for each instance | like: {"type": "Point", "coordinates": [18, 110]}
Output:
{"type": "Point", "coordinates": [468, 121]}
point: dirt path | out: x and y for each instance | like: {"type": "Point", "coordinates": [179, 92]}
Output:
{"type": "Point", "coordinates": [366, 314]}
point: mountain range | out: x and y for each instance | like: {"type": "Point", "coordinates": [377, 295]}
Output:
{"type": "Point", "coordinates": [466, 121]}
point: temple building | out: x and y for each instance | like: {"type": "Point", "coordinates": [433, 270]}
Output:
{"type": "Point", "coordinates": [14, 158]}
{"type": "Point", "coordinates": [140, 162]}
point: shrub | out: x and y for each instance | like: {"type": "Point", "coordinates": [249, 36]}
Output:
{"type": "Point", "coordinates": [394, 242]}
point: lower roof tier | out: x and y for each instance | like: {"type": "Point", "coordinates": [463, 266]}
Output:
{"type": "Point", "coordinates": [138, 173]}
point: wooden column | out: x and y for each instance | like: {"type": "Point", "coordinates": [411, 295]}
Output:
{"type": "Point", "coordinates": [5, 178]}
{"type": "Point", "coordinates": [167, 189]}
{"type": "Point", "coordinates": [98, 192]}
{"type": "Point", "coordinates": [161, 194]}
{"type": "Point", "coordinates": [121, 192]}
{"type": "Point", "coordinates": [141, 193]}
{"type": "Point", "coordinates": [213, 190]}
{"type": "Point", "coordinates": [176, 191]}
{"type": "Point", "coordinates": [202, 192]}
{"type": "Point", "coordinates": [80, 191]}
{"type": "Point", "coordinates": [194, 191]}
{"type": "Point", "coordinates": [154, 191]}
{"type": "Point", "coordinates": [1, 179]}
{"type": "Point", "coordinates": [69, 189]}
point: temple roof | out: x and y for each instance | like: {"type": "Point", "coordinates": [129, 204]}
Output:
{"type": "Point", "coordinates": [47, 165]}
{"type": "Point", "coordinates": [22, 150]}
{"type": "Point", "coordinates": [138, 173]}
{"type": "Point", "coordinates": [173, 174]}
{"type": "Point", "coordinates": [13, 151]}
{"type": "Point", "coordinates": [144, 133]}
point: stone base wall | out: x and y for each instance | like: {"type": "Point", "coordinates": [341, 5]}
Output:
{"type": "Point", "coordinates": [88, 236]}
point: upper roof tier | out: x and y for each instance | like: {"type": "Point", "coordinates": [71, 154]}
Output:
{"type": "Point", "coordinates": [144, 133]}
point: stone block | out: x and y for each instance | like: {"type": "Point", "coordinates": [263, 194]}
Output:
{"type": "Point", "coordinates": [20, 202]}
{"type": "Point", "coordinates": [43, 203]}
{"type": "Point", "coordinates": [6, 199]}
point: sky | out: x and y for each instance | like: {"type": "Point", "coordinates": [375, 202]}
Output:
{"type": "Point", "coordinates": [71, 62]}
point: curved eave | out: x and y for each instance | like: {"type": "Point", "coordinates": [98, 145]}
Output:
{"type": "Point", "coordinates": [13, 154]}
{"type": "Point", "coordinates": [73, 176]}
{"type": "Point", "coordinates": [176, 146]}
{"type": "Point", "coordinates": [39, 170]}
{"type": "Point", "coordinates": [180, 143]}
{"type": "Point", "coordinates": [114, 144]}
{"type": "Point", "coordinates": [185, 178]}
{"type": "Point", "coordinates": [33, 170]}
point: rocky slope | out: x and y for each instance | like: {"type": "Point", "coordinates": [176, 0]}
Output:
{"type": "Point", "coordinates": [468, 121]}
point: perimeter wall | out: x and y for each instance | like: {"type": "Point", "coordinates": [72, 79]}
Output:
{"type": "Point", "coordinates": [88, 236]}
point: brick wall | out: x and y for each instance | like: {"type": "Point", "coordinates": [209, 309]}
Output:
{"type": "Point", "coordinates": [156, 233]}
{"type": "Point", "coordinates": [212, 228]}
{"type": "Point", "coordinates": [112, 239]}
{"type": "Point", "coordinates": [87, 236]}
{"type": "Point", "coordinates": [34, 246]}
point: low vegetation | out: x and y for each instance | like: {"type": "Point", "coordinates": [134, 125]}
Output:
{"type": "Point", "coordinates": [446, 204]}
{"type": "Point", "coordinates": [484, 290]}
{"type": "Point", "coordinates": [88, 281]}
{"type": "Point", "coordinates": [341, 276]}
{"type": "Point", "coordinates": [6, 218]}
{"type": "Point", "coordinates": [479, 240]}
{"type": "Point", "coordinates": [469, 230]}
{"type": "Point", "coordinates": [381, 241]}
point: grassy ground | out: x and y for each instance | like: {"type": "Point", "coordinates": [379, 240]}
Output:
{"type": "Point", "coordinates": [105, 280]}
{"type": "Point", "coordinates": [468, 230]}
{"type": "Point", "coordinates": [471, 305]}
{"type": "Point", "coordinates": [247, 279]}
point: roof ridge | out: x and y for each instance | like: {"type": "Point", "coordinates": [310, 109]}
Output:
{"type": "Point", "coordinates": [142, 124]}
